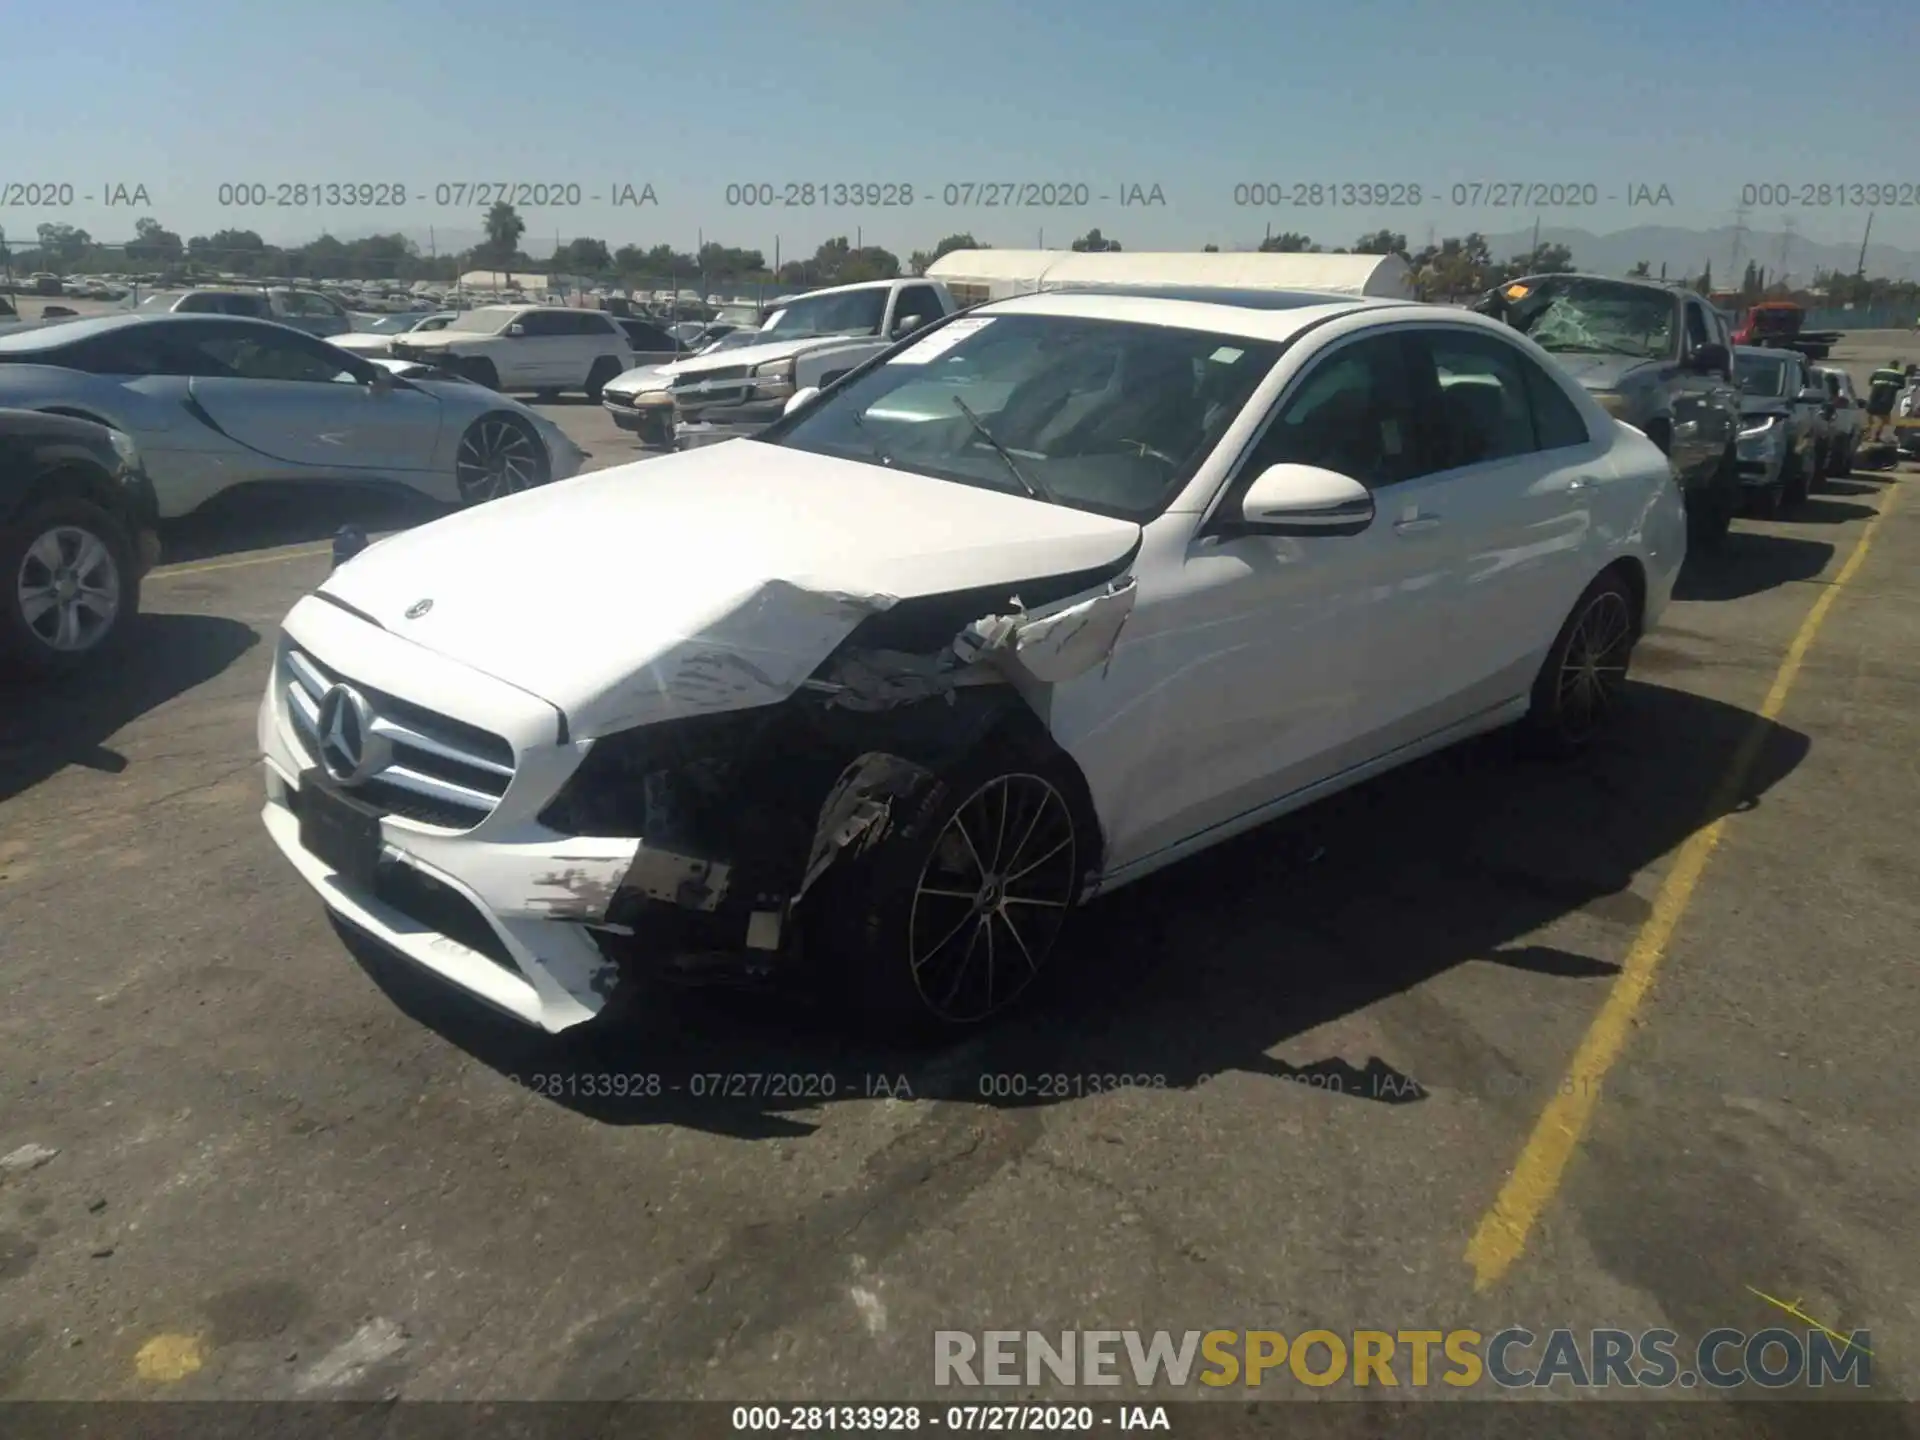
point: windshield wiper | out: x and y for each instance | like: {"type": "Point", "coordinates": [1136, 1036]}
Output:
{"type": "Point", "coordinates": [1013, 466]}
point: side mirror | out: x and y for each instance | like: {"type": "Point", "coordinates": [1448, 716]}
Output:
{"type": "Point", "coordinates": [516, 330]}
{"type": "Point", "coordinates": [904, 325]}
{"type": "Point", "coordinates": [1306, 500]}
{"type": "Point", "coordinates": [382, 381]}
{"type": "Point", "coordinates": [1811, 396]}
{"type": "Point", "coordinates": [1712, 359]}
{"type": "Point", "coordinates": [799, 398]}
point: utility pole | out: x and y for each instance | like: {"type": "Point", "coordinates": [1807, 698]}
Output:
{"type": "Point", "coordinates": [1533, 255]}
{"type": "Point", "coordinates": [1739, 239]}
{"type": "Point", "coordinates": [1860, 266]}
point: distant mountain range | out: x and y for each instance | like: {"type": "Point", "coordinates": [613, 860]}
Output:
{"type": "Point", "coordinates": [1726, 248]}
{"type": "Point", "coordinates": [1682, 252]}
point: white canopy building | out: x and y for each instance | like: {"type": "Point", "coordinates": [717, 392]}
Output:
{"type": "Point", "coordinates": [977, 275]}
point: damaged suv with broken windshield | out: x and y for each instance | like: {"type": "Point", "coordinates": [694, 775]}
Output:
{"type": "Point", "coordinates": [1026, 607]}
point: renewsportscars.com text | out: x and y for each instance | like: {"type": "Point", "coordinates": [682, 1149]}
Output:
{"type": "Point", "coordinates": [1513, 1358]}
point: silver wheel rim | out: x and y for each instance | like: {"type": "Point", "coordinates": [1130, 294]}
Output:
{"type": "Point", "coordinates": [992, 897]}
{"type": "Point", "coordinates": [68, 589]}
{"type": "Point", "coordinates": [1594, 671]}
{"type": "Point", "coordinates": [496, 458]}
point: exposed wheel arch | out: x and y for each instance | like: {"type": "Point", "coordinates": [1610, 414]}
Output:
{"type": "Point", "coordinates": [1629, 569]}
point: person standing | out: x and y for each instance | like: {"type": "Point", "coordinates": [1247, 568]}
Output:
{"type": "Point", "coordinates": [1883, 386]}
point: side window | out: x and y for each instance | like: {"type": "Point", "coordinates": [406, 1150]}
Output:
{"type": "Point", "coordinates": [649, 337]}
{"type": "Point", "coordinates": [920, 302]}
{"type": "Point", "coordinates": [310, 306]}
{"type": "Point", "coordinates": [1697, 331]}
{"type": "Point", "coordinates": [1351, 413]}
{"type": "Point", "coordinates": [1557, 421]}
{"type": "Point", "coordinates": [249, 355]}
{"type": "Point", "coordinates": [1484, 412]}
{"type": "Point", "coordinates": [544, 323]}
{"type": "Point", "coordinates": [595, 323]}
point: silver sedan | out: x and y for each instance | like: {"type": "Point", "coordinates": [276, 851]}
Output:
{"type": "Point", "coordinates": [214, 402]}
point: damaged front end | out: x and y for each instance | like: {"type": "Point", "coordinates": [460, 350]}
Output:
{"type": "Point", "coordinates": [743, 813]}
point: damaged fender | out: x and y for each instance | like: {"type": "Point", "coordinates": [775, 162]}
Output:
{"type": "Point", "coordinates": [1057, 642]}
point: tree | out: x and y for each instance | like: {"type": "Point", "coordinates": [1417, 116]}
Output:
{"type": "Point", "coordinates": [504, 229]}
{"type": "Point", "coordinates": [1704, 285]}
{"type": "Point", "coordinates": [1094, 243]}
{"type": "Point", "coordinates": [1382, 242]}
{"type": "Point", "coordinates": [582, 255]}
{"type": "Point", "coordinates": [154, 244]}
{"type": "Point", "coordinates": [1210, 249]}
{"type": "Point", "coordinates": [1291, 243]}
{"type": "Point", "coordinates": [920, 260]}
{"type": "Point", "coordinates": [1640, 271]}
{"type": "Point", "coordinates": [62, 246]}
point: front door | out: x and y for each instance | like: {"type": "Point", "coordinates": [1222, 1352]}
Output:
{"type": "Point", "coordinates": [1256, 665]}
{"type": "Point", "coordinates": [299, 401]}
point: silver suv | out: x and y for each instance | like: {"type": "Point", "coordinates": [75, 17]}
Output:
{"type": "Point", "coordinates": [1654, 355]}
{"type": "Point", "coordinates": [306, 310]}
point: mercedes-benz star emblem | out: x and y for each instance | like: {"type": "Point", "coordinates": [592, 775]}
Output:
{"type": "Point", "coordinates": [418, 608]}
{"type": "Point", "coordinates": [349, 750]}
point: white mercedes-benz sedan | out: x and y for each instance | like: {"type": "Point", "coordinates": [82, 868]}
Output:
{"type": "Point", "coordinates": [1040, 600]}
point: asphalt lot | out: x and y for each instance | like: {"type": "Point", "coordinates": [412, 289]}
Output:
{"type": "Point", "coordinates": [286, 1166]}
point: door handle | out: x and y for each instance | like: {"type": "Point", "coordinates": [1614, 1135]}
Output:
{"type": "Point", "coordinates": [1416, 524]}
{"type": "Point", "coordinates": [1582, 482]}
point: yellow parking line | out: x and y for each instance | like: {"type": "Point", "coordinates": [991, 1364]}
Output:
{"type": "Point", "coordinates": [167, 572]}
{"type": "Point", "coordinates": [1536, 1175]}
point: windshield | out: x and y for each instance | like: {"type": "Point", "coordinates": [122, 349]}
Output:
{"type": "Point", "coordinates": [490, 321]}
{"type": "Point", "coordinates": [1583, 316]}
{"type": "Point", "coordinates": [1776, 322]}
{"type": "Point", "coordinates": [393, 324]}
{"type": "Point", "coordinates": [1761, 378]}
{"type": "Point", "coordinates": [856, 312]}
{"type": "Point", "coordinates": [1099, 415]}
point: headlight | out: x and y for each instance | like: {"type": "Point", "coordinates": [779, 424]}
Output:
{"type": "Point", "coordinates": [1613, 402]}
{"type": "Point", "coordinates": [1766, 427]}
{"type": "Point", "coordinates": [124, 447]}
{"type": "Point", "coordinates": [773, 380]}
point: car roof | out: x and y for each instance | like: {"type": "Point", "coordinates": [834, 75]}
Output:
{"type": "Point", "coordinates": [1764, 352]}
{"type": "Point", "coordinates": [1639, 282]}
{"type": "Point", "coordinates": [69, 331]}
{"type": "Point", "coordinates": [1256, 314]}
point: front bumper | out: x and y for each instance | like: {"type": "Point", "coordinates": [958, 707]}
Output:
{"type": "Point", "coordinates": [506, 910]}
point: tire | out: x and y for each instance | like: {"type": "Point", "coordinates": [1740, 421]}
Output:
{"type": "Point", "coordinates": [500, 454]}
{"type": "Point", "coordinates": [546, 397]}
{"type": "Point", "coordinates": [1843, 462]}
{"type": "Point", "coordinates": [1797, 484]}
{"type": "Point", "coordinates": [604, 369]}
{"type": "Point", "coordinates": [480, 371]}
{"type": "Point", "coordinates": [1710, 512]}
{"type": "Point", "coordinates": [1582, 680]}
{"type": "Point", "coordinates": [1010, 824]}
{"type": "Point", "coordinates": [79, 548]}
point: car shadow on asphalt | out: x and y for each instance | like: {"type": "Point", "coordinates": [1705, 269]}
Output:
{"type": "Point", "coordinates": [1748, 562]}
{"type": "Point", "coordinates": [47, 725]}
{"type": "Point", "coordinates": [1820, 511]}
{"type": "Point", "coordinates": [261, 517]}
{"type": "Point", "coordinates": [1212, 964]}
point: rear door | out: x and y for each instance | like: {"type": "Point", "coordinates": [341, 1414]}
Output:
{"type": "Point", "coordinates": [304, 406]}
{"type": "Point", "coordinates": [1524, 492]}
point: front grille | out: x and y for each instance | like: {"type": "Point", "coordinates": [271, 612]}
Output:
{"type": "Point", "coordinates": [724, 372]}
{"type": "Point", "coordinates": [444, 772]}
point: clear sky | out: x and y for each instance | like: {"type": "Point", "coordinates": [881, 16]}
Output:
{"type": "Point", "coordinates": [1703, 97]}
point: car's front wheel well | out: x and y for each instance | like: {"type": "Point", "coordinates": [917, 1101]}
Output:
{"type": "Point", "coordinates": [75, 480]}
{"type": "Point", "coordinates": [1020, 731]}
{"type": "Point", "coordinates": [1634, 575]}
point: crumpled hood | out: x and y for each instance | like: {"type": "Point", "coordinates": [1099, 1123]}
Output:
{"type": "Point", "coordinates": [1603, 372]}
{"type": "Point", "coordinates": [715, 579]}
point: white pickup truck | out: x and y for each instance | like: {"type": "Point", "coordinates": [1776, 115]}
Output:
{"type": "Point", "coordinates": [810, 341]}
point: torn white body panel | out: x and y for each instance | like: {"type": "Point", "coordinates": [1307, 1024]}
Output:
{"type": "Point", "coordinates": [713, 580]}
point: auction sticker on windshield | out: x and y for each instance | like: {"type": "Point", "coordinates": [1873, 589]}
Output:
{"type": "Point", "coordinates": [941, 341]}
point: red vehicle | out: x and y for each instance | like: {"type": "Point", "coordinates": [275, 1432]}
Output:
{"type": "Point", "coordinates": [1776, 324]}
